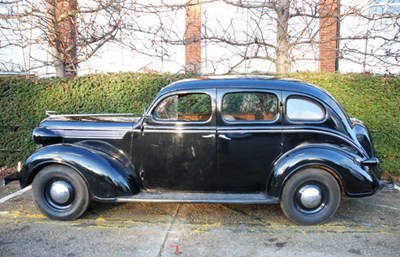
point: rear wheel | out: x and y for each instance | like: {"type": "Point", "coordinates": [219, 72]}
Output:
{"type": "Point", "coordinates": [60, 192]}
{"type": "Point", "coordinates": [311, 196]}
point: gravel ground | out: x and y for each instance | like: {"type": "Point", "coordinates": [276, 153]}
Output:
{"type": "Point", "coordinates": [362, 227]}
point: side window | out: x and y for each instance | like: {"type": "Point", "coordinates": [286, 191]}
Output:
{"type": "Point", "coordinates": [304, 109]}
{"type": "Point", "coordinates": [249, 106]}
{"type": "Point", "coordinates": [184, 107]}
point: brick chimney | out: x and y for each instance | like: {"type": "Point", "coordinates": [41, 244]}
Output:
{"type": "Point", "coordinates": [329, 35]}
{"type": "Point", "coordinates": [193, 37]}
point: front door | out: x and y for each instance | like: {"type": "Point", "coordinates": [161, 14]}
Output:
{"type": "Point", "coordinates": [249, 139]}
{"type": "Point", "coordinates": [177, 148]}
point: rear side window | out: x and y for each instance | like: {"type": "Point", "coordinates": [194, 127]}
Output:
{"type": "Point", "coordinates": [303, 109]}
{"type": "Point", "coordinates": [184, 107]}
{"type": "Point", "coordinates": [249, 106]}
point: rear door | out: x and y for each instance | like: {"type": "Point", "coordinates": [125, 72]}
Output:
{"type": "Point", "coordinates": [249, 137]}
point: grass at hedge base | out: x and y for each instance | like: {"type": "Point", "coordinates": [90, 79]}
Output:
{"type": "Point", "coordinates": [23, 102]}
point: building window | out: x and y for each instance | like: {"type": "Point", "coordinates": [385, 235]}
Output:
{"type": "Point", "coordinates": [385, 7]}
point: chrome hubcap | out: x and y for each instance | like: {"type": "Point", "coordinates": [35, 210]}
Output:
{"type": "Point", "coordinates": [60, 192]}
{"type": "Point", "coordinates": [310, 196]}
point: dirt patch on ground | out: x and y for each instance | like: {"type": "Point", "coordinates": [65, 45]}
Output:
{"type": "Point", "coordinates": [389, 177]}
{"type": "Point", "coordinates": [4, 171]}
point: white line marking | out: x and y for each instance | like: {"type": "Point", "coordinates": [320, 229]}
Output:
{"type": "Point", "coordinates": [379, 205]}
{"type": "Point", "coordinates": [387, 207]}
{"type": "Point", "coordinates": [20, 192]}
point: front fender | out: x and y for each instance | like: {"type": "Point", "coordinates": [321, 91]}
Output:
{"type": "Point", "coordinates": [107, 176]}
{"type": "Point", "coordinates": [346, 167]}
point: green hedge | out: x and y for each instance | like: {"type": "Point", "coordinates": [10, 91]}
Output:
{"type": "Point", "coordinates": [23, 102]}
{"type": "Point", "coordinates": [374, 100]}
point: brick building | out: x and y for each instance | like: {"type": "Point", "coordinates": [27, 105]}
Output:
{"type": "Point", "coordinates": [328, 36]}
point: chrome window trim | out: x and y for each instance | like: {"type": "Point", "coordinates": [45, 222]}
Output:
{"type": "Point", "coordinates": [244, 90]}
{"type": "Point", "coordinates": [181, 122]}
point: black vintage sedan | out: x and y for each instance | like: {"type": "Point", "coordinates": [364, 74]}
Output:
{"type": "Point", "coordinates": [253, 140]}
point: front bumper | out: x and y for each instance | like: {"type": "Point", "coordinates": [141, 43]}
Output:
{"type": "Point", "coordinates": [388, 184]}
{"type": "Point", "coordinates": [11, 177]}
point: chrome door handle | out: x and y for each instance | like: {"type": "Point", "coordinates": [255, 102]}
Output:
{"type": "Point", "coordinates": [224, 137]}
{"type": "Point", "coordinates": [208, 136]}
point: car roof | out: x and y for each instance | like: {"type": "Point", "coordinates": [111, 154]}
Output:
{"type": "Point", "coordinates": [247, 82]}
{"type": "Point", "coordinates": [255, 83]}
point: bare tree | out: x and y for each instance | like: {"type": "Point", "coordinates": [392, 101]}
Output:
{"type": "Point", "coordinates": [281, 32]}
{"type": "Point", "coordinates": [288, 33]}
{"type": "Point", "coordinates": [370, 35]}
{"type": "Point", "coordinates": [276, 35]}
{"type": "Point", "coordinates": [275, 31]}
{"type": "Point", "coordinates": [66, 30]}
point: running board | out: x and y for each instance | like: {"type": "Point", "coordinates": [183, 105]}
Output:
{"type": "Point", "coordinates": [178, 197]}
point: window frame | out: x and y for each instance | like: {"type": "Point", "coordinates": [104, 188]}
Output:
{"type": "Point", "coordinates": [161, 98]}
{"type": "Point", "coordinates": [242, 122]}
{"type": "Point", "coordinates": [310, 100]}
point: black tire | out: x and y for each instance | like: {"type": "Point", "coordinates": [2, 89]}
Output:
{"type": "Point", "coordinates": [311, 196]}
{"type": "Point", "coordinates": [60, 192]}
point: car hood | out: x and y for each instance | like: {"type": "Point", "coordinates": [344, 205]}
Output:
{"type": "Point", "coordinates": [56, 128]}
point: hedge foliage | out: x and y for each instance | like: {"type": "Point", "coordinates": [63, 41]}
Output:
{"type": "Point", "coordinates": [373, 99]}
{"type": "Point", "coordinates": [23, 102]}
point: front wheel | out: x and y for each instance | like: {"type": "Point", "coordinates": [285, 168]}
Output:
{"type": "Point", "coordinates": [311, 196]}
{"type": "Point", "coordinates": [60, 192]}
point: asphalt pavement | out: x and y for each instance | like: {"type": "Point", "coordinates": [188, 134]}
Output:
{"type": "Point", "coordinates": [362, 227]}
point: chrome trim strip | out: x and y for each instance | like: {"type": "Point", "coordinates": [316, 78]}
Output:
{"type": "Point", "coordinates": [232, 131]}
{"type": "Point", "coordinates": [179, 128]}
{"type": "Point", "coordinates": [178, 131]}
{"type": "Point", "coordinates": [88, 115]}
{"type": "Point", "coordinates": [92, 134]}
{"type": "Point", "coordinates": [96, 127]}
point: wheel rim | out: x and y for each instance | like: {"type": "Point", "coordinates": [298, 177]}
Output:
{"type": "Point", "coordinates": [59, 194]}
{"type": "Point", "coordinates": [311, 198]}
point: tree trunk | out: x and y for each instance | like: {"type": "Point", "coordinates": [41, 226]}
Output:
{"type": "Point", "coordinates": [58, 64]}
{"type": "Point", "coordinates": [62, 36]}
{"type": "Point", "coordinates": [283, 61]}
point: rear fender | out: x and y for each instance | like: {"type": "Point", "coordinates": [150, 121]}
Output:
{"type": "Point", "coordinates": [108, 176]}
{"type": "Point", "coordinates": [351, 175]}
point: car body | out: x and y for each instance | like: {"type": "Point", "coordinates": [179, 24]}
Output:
{"type": "Point", "coordinates": [257, 140]}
